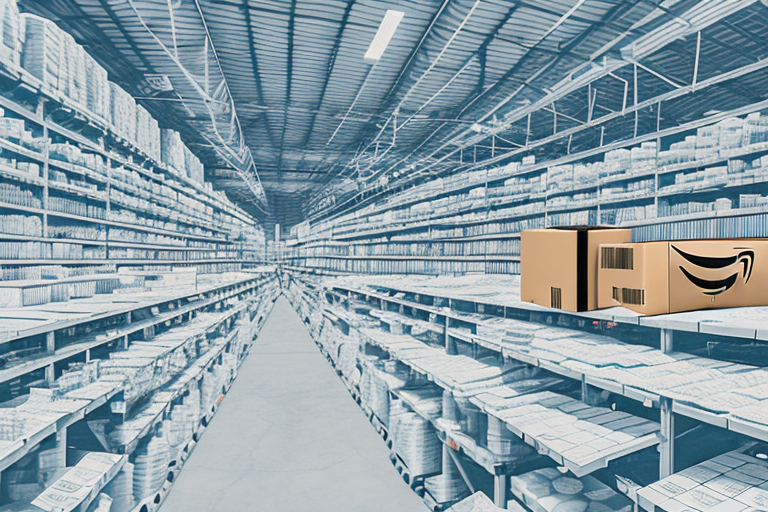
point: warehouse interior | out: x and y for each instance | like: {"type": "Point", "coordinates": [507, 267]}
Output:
{"type": "Point", "coordinates": [384, 255]}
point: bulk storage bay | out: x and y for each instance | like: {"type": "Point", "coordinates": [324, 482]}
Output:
{"type": "Point", "coordinates": [383, 255]}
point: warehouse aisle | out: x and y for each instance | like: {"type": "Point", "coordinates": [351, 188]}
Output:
{"type": "Point", "coordinates": [289, 438]}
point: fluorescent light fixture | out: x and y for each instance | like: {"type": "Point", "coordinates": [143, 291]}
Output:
{"type": "Point", "coordinates": [384, 35]}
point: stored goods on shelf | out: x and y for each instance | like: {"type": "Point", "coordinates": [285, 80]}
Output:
{"type": "Point", "coordinates": [733, 481]}
{"type": "Point", "coordinates": [559, 266]}
{"type": "Point", "coordinates": [43, 46]}
{"type": "Point", "coordinates": [172, 150]}
{"type": "Point", "coordinates": [10, 33]}
{"type": "Point", "coordinates": [81, 485]}
{"type": "Point", "coordinates": [666, 277]}
{"type": "Point", "coordinates": [548, 490]}
{"type": "Point", "coordinates": [122, 109]}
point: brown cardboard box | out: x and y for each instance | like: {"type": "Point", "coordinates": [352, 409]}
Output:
{"type": "Point", "coordinates": [558, 266]}
{"type": "Point", "coordinates": [666, 277]}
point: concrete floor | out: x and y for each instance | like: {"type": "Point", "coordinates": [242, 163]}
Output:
{"type": "Point", "coordinates": [289, 438]}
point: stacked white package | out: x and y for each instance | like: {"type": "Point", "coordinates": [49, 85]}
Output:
{"type": "Point", "coordinates": [81, 485]}
{"type": "Point", "coordinates": [416, 442]}
{"type": "Point", "coordinates": [347, 360]}
{"type": "Point", "coordinates": [194, 166]}
{"type": "Point", "coordinates": [72, 71]}
{"type": "Point", "coordinates": [42, 51]}
{"type": "Point", "coordinates": [755, 128]}
{"type": "Point", "coordinates": [547, 490]}
{"type": "Point", "coordinates": [643, 157]}
{"type": "Point", "coordinates": [679, 152]}
{"type": "Point", "coordinates": [97, 88]}
{"type": "Point", "coordinates": [120, 489]}
{"type": "Point", "coordinates": [213, 382]}
{"type": "Point", "coordinates": [172, 150]}
{"type": "Point", "coordinates": [559, 178]}
{"type": "Point", "coordinates": [375, 385]}
{"type": "Point", "coordinates": [21, 225]}
{"type": "Point", "coordinates": [707, 141]}
{"type": "Point", "coordinates": [150, 468]}
{"type": "Point", "coordinates": [143, 129]}
{"type": "Point", "coordinates": [733, 481]}
{"type": "Point", "coordinates": [616, 162]}
{"type": "Point", "coordinates": [731, 133]}
{"type": "Point", "coordinates": [122, 110]}
{"type": "Point", "coordinates": [10, 33]}
{"type": "Point", "coordinates": [76, 376]}
{"type": "Point", "coordinates": [184, 420]}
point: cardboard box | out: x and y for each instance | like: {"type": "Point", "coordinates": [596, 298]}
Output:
{"type": "Point", "coordinates": [666, 277]}
{"type": "Point", "coordinates": [559, 265]}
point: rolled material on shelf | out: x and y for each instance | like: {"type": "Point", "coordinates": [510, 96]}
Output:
{"type": "Point", "coordinates": [120, 489]}
{"type": "Point", "coordinates": [150, 468]}
{"type": "Point", "coordinates": [416, 443]}
{"type": "Point", "coordinates": [375, 391]}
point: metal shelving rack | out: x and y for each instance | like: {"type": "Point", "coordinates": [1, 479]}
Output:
{"type": "Point", "coordinates": [213, 237]}
{"type": "Point", "coordinates": [454, 317]}
{"type": "Point", "coordinates": [234, 310]}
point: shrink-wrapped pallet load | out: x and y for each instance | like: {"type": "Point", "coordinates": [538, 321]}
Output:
{"type": "Point", "coordinates": [172, 150]}
{"type": "Point", "coordinates": [122, 112]}
{"type": "Point", "coordinates": [97, 88]}
{"type": "Point", "coordinates": [10, 33]}
{"type": "Point", "coordinates": [42, 50]}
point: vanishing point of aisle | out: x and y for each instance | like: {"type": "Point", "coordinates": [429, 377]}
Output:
{"type": "Point", "coordinates": [289, 438]}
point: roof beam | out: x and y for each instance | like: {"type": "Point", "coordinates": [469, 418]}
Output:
{"type": "Point", "coordinates": [289, 66]}
{"type": "Point", "coordinates": [331, 64]}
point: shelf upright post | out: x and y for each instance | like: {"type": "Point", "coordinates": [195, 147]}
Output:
{"type": "Point", "coordinates": [50, 348]}
{"type": "Point", "coordinates": [109, 202]}
{"type": "Point", "coordinates": [45, 178]}
{"type": "Point", "coordinates": [446, 337]}
{"type": "Point", "coordinates": [61, 444]}
{"type": "Point", "coordinates": [667, 340]}
{"type": "Point", "coordinates": [500, 490]}
{"type": "Point", "coordinates": [634, 94]}
{"type": "Point", "coordinates": [667, 445]}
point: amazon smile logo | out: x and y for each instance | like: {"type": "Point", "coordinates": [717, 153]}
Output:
{"type": "Point", "coordinates": [715, 287]}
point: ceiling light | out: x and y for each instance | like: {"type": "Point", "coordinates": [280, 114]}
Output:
{"type": "Point", "coordinates": [383, 35]}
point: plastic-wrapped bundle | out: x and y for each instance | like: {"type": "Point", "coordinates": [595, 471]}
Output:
{"type": "Point", "coordinates": [194, 166]}
{"type": "Point", "coordinates": [97, 88]}
{"type": "Point", "coordinates": [347, 362]}
{"type": "Point", "coordinates": [42, 50]}
{"type": "Point", "coordinates": [152, 147]}
{"type": "Point", "coordinates": [150, 468]}
{"type": "Point", "coordinates": [211, 390]}
{"type": "Point", "coordinates": [172, 150]}
{"type": "Point", "coordinates": [9, 32]}
{"type": "Point", "coordinates": [416, 443]}
{"type": "Point", "coordinates": [120, 489]}
{"type": "Point", "coordinates": [122, 112]}
{"type": "Point", "coordinates": [184, 418]}
{"type": "Point", "coordinates": [72, 71]}
{"type": "Point", "coordinates": [143, 128]}
{"type": "Point", "coordinates": [375, 392]}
